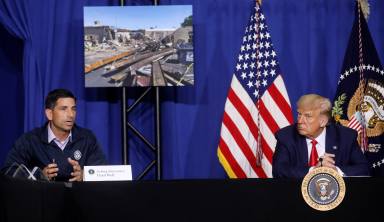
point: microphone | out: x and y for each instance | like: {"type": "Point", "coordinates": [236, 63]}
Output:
{"type": "Point", "coordinates": [321, 161]}
{"type": "Point", "coordinates": [22, 171]}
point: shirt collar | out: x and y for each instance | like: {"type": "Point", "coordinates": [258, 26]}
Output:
{"type": "Point", "coordinates": [51, 135]}
{"type": "Point", "coordinates": [320, 139]}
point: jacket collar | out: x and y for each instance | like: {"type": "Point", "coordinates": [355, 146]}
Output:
{"type": "Point", "coordinates": [43, 134]}
{"type": "Point", "coordinates": [331, 139]}
{"type": "Point", "coordinates": [331, 145]}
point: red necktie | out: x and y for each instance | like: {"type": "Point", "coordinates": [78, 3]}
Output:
{"type": "Point", "coordinates": [314, 157]}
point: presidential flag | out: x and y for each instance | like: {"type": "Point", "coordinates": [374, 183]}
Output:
{"type": "Point", "coordinates": [257, 105]}
{"type": "Point", "coordinates": [359, 99]}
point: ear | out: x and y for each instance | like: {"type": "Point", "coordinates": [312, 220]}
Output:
{"type": "Point", "coordinates": [323, 121]}
{"type": "Point", "coordinates": [48, 114]}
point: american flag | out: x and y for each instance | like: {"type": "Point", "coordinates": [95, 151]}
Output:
{"type": "Point", "coordinates": [357, 122]}
{"type": "Point", "coordinates": [257, 105]}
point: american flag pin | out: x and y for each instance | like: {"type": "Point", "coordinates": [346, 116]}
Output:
{"type": "Point", "coordinates": [334, 147]}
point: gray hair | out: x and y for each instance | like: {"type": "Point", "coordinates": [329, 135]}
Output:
{"type": "Point", "coordinates": [314, 101]}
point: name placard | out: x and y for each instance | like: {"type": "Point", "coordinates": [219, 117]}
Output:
{"type": "Point", "coordinates": [107, 173]}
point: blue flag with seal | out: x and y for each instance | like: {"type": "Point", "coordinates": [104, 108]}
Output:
{"type": "Point", "coordinates": [359, 99]}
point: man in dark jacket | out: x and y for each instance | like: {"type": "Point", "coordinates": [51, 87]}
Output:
{"type": "Point", "coordinates": [60, 148]}
{"type": "Point", "coordinates": [314, 142]}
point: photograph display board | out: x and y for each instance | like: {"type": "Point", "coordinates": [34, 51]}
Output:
{"type": "Point", "coordinates": [138, 46]}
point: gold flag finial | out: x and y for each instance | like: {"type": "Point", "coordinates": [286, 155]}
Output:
{"type": "Point", "coordinates": [364, 5]}
{"type": "Point", "coordinates": [259, 1]}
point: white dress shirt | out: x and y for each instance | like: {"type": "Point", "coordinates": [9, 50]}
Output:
{"type": "Point", "coordinates": [61, 144]}
{"type": "Point", "coordinates": [320, 148]}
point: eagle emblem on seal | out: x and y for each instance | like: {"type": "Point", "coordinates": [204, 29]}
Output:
{"type": "Point", "coordinates": [370, 94]}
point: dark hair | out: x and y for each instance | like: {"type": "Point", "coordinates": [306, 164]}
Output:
{"type": "Point", "coordinates": [54, 95]}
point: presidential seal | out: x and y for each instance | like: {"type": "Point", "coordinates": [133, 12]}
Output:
{"type": "Point", "coordinates": [323, 189]}
{"type": "Point", "coordinates": [370, 114]}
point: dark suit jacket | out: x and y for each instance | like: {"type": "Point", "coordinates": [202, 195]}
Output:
{"type": "Point", "coordinates": [291, 154]}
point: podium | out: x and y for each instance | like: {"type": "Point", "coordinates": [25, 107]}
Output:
{"type": "Point", "coordinates": [182, 200]}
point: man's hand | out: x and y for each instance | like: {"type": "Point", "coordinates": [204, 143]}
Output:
{"type": "Point", "coordinates": [77, 174]}
{"type": "Point", "coordinates": [50, 171]}
{"type": "Point", "coordinates": [328, 161]}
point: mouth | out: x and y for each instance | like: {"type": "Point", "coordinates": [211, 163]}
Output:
{"type": "Point", "coordinates": [69, 122]}
{"type": "Point", "coordinates": [300, 128]}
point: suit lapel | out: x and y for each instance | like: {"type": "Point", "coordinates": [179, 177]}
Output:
{"type": "Point", "coordinates": [331, 145]}
{"type": "Point", "coordinates": [303, 149]}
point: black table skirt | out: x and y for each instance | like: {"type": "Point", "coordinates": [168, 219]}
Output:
{"type": "Point", "coordinates": [183, 200]}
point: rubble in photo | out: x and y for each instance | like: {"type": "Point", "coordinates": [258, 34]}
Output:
{"type": "Point", "coordinates": [116, 57]}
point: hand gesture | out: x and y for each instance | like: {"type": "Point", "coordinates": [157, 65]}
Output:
{"type": "Point", "coordinates": [327, 161]}
{"type": "Point", "coordinates": [50, 171]}
{"type": "Point", "coordinates": [77, 174]}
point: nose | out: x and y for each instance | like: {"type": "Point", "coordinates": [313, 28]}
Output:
{"type": "Point", "coordinates": [71, 113]}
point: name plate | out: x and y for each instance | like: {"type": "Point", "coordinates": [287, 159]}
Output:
{"type": "Point", "coordinates": [107, 173]}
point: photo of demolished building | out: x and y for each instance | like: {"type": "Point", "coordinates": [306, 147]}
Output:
{"type": "Point", "coordinates": [148, 56]}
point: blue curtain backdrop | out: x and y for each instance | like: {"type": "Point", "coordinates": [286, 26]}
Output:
{"type": "Point", "coordinates": [41, 49]}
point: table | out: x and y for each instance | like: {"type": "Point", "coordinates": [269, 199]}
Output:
{"type": "Point", "coordinates": [182, 200]}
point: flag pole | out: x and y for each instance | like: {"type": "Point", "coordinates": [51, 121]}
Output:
{"type": "Point", "coordinates": [259, 152]}
{"type": "Point", "coordinates": [362, 82]}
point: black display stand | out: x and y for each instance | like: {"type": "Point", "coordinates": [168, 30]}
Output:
{"type": "Point", "coordinates": [128, 126]}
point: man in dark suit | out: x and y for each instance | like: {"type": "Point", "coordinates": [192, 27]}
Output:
{"type": "Point", "coordinates": [313, 141]}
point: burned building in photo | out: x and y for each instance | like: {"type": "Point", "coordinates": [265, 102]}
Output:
{"type": "Point", "coordinates": [98, 33]}
{"type": "Point", "coordinates": [183, 35]}
{"type": "Point", "coordinates": [158, 34]}
{"type": "Point", "coordinates": [123, 35]}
